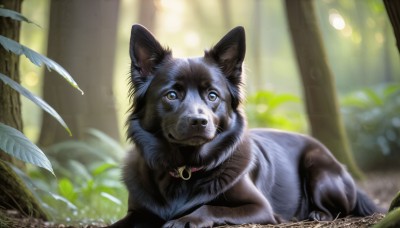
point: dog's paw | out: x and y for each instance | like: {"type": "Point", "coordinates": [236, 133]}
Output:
{"type": "Point", "coordinates": [279, 219]}
{"type": "Point", "coordinates": [188, 222]}
{"type": "Point", "coordinates": [320, 216]}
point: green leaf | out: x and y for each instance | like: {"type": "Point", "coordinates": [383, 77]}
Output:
{"type": "Point", "coordinates": [355, 100]}
{"type": "Point", "coordinates": [263, 96]}
{"type": "Point", "coordinates": [64, 200]}
{"type": "Point", "coordinates": [41, 103]}
{"type": "Point", "coordinates": [37, 59]}
{"type": "Point", "coordinates": [78, 150]}
{"type": "Point", "coordinates": [280, 99]}
{"type": "Point", "coordinates": [28, 182]}
{"type": "Point", "coordinates": [103, 168]}
{"type": "Point", "coordinates": [79, 169]}
{"type": "Point", "coordinates": [391, 90]}
{"type": "Point", "coordinates": [107, 144]}
{"type": "Point", "coordinates": [15, 16]}
{"type": "Point", "coordinates": [66, 189]}
{"type": "Point", "coordinates": [111, 198]}
{"type": "Point", "coordinates": [373, 97]}
{"type": "Point", "coordinates": [16, 144]}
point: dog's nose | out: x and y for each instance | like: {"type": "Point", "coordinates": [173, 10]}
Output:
{"type": "Point", "coordinates": [198, 121]}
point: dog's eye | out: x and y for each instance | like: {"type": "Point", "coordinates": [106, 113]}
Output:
{"type": "Point", "coordinates": [212, 96]}
{"type": "Point", "coordinates": [172, 95]}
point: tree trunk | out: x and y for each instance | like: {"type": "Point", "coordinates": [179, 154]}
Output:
{"type": "Point", "coordinates": [226, 13]}
{"type": "Point", "coordinates": [13, 193]}
{"type": "Point", "coordinates": [147, 14]}
{"type": "Point", "coordinates": [363, 51]}
{"type": "Point", "coordinates": [10, 104]}
{"type": "Point", "coordinates": [318, 82]}
{"type": "Point", "coordinates": [387, 62]}
{"type": "Point", "coordinates": [393, 11]}
{"type": "Point", "coordinates": [15, 196]}
{"type": "Point", "coordinates": [258, 82]}
{"type": "Point", "coordinates": [82, 39]}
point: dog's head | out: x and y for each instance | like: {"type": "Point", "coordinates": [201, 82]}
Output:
{"type": "Point", "coordinates": [186, 102]}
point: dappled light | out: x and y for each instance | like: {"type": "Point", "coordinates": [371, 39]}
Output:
{"type": "Point", "coordinates": [336, 20]}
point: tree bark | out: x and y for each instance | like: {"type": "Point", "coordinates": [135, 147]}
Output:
{"type": "Point", "coordinates": [147, 14]}
{"type": "Point", "coordinates": [10, 103]}
{"type": "Point", "coordinates": [226, 13]}
{"type": "Point", "coordinates": [82, 39]}
{"type": "Point", "coordinates": [393, 11]}
{"type": "Point", "coordinates": [256, 46]}
{"type": "Point", "coordinates": [318, 82]}
{"type": "Point", "coordinates": [13, 193]}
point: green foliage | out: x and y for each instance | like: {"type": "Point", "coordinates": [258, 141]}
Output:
{"type": "Point", "coordinates": [391, 220]}
{"type": "Point", "coordinates": [269, 109]}
{"type": "Point", "coordinates": [89, 179]}
{"type": "Point", "coordinates": [15, 16]}
{"type": "Point", "coordinates": [395, 202]}
{"type": "Point", "coordinates": [87, 185]}
{"type": "Point", "coordinates": [372, 119]}
{"type": "Point", "coordinates": [16, 144]}
{"type": "Point", "coordinates": [38, 101]}
{"type": "Point", "coordinates": [21, 147]}
{"type": "Point", "coordinates": [66, 189]}
{"type": "Point", "coordinates": [37, 59]}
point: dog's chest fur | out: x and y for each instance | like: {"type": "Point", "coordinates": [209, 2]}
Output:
{"type": "Point", "coordinates": [170, 197]}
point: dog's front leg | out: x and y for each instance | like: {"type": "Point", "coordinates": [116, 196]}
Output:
{"type": "Point", "coordinates": [138, 219]}
{"type": "Point", "coordinates": [208, 216]}
{"type": "Point", "coordinates": [248, 206]}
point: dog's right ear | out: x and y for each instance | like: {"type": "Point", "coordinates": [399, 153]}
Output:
{"type": "Point", "coordinates": [145, 51]}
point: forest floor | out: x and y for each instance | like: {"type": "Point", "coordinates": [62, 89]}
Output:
{"type": "Point", "coordinates": [381, 186]}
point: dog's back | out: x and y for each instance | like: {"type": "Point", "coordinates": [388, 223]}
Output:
{"type": "Point", "coordinates": [296, 168]}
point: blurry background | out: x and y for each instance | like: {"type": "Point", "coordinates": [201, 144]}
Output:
{"type": "Point", "coordinates": [94, 39]}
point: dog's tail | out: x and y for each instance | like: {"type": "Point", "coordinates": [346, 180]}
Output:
{"type": "Point", "coordinates": [365, 206]}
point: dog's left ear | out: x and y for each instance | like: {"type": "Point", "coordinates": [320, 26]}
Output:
{"type": "Point", "coordinates": [229, 54]}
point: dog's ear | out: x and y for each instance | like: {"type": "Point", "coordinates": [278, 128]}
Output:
{"type": "Point", "coordinates": [229, 53]}
{"type": "Point", "coordinates": [145, 51]}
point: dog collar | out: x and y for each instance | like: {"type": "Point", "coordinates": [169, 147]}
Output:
{"type": "Point", "coordinates": [184, 172]}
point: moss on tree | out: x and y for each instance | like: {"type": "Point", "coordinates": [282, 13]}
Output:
{"type": "Point", "coordinates": [14, 194]}
{"type": "Point", "coordinates": [392, 219]}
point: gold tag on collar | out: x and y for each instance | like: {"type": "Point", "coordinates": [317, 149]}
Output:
{"type": "Point", "coordinates": [184, 172]}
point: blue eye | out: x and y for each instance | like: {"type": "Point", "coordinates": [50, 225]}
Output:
{"type": "Point", "coordinates": [212, 96]}
{"type": "Point", "coordinates": [172, 95]}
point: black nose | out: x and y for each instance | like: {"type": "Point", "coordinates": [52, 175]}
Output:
{"type": "Point", "coordinates": [198, 121]}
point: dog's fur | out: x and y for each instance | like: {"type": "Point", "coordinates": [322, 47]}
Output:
{"type": "Point", "coordinates": [186, 113]}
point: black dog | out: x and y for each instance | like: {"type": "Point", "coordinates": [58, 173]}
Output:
{"type": "Point", "coordinates": [196, 165]}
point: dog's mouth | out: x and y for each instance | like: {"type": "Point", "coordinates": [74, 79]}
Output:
{"type": "Point", "coordinates": [193, 140]}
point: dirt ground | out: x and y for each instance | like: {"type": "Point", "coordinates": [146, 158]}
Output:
{"type": "Point", "coordinates": [382, 186]}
